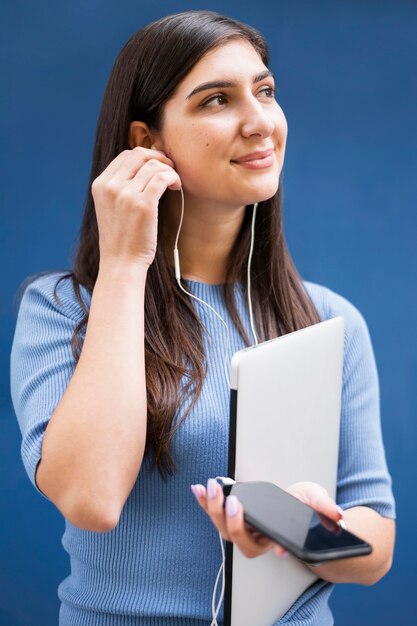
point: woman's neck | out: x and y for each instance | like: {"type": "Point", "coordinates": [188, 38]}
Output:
{"type": "Point", "coordinates": [206, 238]}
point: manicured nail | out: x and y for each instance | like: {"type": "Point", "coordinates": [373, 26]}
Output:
{"type": "Point", "coordinates": [197, 491]}
{"type": "Point", "coordinates": [231, 506]}
{"type": "Point", "coordinates": [340, 510]}
{"type": "Point", "coordinates": [212, 488]}
{"type": "Point", "coordinates": [281, 553]}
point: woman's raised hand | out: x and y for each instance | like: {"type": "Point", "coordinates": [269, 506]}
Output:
{"type": "Point", "coordinates": [229, 520]}
{"type": "Point", "coordinates": [126, 197]}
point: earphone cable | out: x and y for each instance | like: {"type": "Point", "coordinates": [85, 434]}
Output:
{"type": "Point", "coordinates": [178, 277]}
{"type": "Point", "coordinates": [252, 239]}
{"type": "Point", "coordinates": [215, 610]}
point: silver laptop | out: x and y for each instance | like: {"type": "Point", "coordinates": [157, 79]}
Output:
{"type": "Point", "coordinates": [284, 428]}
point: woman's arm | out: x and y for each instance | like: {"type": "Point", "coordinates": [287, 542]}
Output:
{"type": "Point", "coordinates": [365, 570]}
{"type": "Point", "coordinates": [94, 443]}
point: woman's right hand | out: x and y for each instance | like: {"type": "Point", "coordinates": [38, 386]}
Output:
{"type": "Point", "coordinates": [126, 197]}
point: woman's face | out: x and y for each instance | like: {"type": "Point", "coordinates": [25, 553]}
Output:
{"type": "Point", "coordinates": [205, 133]}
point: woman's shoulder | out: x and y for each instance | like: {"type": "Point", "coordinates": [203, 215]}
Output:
{"type": "Point", "coordinates": [358, 343]}
{"type": "Point", "coordinates": [330, 303]}
{"type": "Point", "coordinates": [52, 290]}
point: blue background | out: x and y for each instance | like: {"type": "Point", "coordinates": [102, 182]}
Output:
{"type": "Point", "coordinates": [346, 79]}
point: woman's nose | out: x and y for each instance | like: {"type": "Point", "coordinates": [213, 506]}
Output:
{"type": "Point", "coordinates": [255, 119]}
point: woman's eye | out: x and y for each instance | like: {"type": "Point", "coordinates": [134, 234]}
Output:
{"type": "Point", "coordinates": [270, 90]}
{"type": "Point", "coordinates": [220, 98]}
{"type": "Point", "coordinates": [217, 97]}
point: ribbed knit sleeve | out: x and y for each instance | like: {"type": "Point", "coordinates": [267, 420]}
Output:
{"type": "Point", "coordinates": [41, 361]}
{"type": "Point", "coordinates": [363, 477]}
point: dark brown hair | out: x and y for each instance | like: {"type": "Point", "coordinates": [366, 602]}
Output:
{"type": "Point", "coordinates": [147, 71]}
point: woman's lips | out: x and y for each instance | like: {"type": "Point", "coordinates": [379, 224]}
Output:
{"type": "Point", "coordinates": [258, 163]}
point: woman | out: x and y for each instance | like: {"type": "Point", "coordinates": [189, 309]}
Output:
{"type": "Point", "coordinates": [115, 434]}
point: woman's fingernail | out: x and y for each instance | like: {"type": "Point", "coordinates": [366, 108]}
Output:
{"type": "Point", "coordinates": [197, 491]}
{"type": "Point", "coordinates": [212, 488]}
{"type": "Point", "coordinates": [340, 510]}
{"type": "Point", "coordinates": [281, 553]}
{"type": "Point", "coordinates": [231, 506]}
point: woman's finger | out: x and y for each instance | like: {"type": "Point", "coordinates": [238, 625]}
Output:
{"type": "Point", "coordinates": [133, 161]}
{"type": "Point", "coordinates": [281, 552]}
{"type": "Point", "coordinates": [158, 185]}
{"type": "Point", "coordinates": [256, 534]}
{"type": "Point", "coordinates": [245, 541]}
{"type": "Point", "coordinates": [210, 504]}
{"type": "Point", "coordinates": [326, 506]}
{"type": "Point", "coordinates": [215, 509]}
{"type": "Point", "coordinates": [125, 165]}
{"type": "Point", "coordinates": [147, 172]}
{"type": "Point", "coordinates": [316, 496]}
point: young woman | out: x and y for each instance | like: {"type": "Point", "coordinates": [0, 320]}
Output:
{"type": "Point", "coordinates": [117, 372]}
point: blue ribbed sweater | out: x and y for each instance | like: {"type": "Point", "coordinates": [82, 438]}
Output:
{"type": "Point", "coordinates": [158, 566]}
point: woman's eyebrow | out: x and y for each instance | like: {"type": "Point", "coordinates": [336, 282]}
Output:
{"type": "Point", "coordinates": [227, 83]}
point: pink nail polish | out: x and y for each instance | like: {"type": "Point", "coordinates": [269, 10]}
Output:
{"type": "Point", "coordinates": [197, 491]}
{"type": "Point", "coordinates": [212, 488]}
{"type": "Point", "coordinates": [231, 506]}
{"type": "Point", "coordinates": [282, 554]}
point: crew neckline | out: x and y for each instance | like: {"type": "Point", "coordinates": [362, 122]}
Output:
{"type": "Point", "coordinates": [199, 282]}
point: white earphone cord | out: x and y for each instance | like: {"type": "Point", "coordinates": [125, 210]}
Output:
{"type": "Point", "coordinates": [215, 610]}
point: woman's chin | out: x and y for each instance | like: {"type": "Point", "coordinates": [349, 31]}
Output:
{"type": "Point", "coordinates": [264, 194]}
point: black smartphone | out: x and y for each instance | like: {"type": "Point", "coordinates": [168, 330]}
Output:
{"type": "Point", "coordinates": [310, 536]}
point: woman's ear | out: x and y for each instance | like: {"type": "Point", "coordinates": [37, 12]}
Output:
{"type": "Point", "coordinates": [140, 135]}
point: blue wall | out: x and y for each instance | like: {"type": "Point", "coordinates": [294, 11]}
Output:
{"type": "Point", "coordinates": [346, 78]}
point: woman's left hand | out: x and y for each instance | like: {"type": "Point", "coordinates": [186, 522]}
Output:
{"type": "Point", "coordinates": [232, 527]}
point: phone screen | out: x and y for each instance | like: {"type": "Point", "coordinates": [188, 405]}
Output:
{"type": "Point", "coordinates": [293, 524]}
{"type": "Point", "coordinates": [324, 534]}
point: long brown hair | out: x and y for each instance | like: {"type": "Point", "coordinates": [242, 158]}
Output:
{"type": "Point", "coordinates": [144, 76]}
